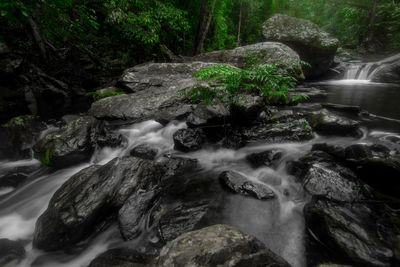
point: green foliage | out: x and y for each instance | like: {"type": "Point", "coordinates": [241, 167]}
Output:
{"type": "Point", "coordinates": [104, 94]}
{"type": "Point", "coordinates": [19, 121]}
{"type": "Point", "coordinates": [45, 158]}
{"type": "Point", "coordinates": [227, 82]}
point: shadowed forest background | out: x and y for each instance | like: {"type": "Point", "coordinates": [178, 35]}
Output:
{"type": "Point", "coordinates": [119, 32]}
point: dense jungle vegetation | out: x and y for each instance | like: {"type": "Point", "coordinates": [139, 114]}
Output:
{"type": "Point", "coordinates": [134, 31]}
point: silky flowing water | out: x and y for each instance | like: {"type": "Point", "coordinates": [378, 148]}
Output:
{"type": "Point", "coordinates": [279, 223]}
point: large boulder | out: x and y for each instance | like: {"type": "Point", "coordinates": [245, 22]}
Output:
{"type": "Point", "coordinates": [314, 46]}
{"type": "Point", "coordinates": [152, 85]}
{"type": "Point", "coordinates": [73, 143]}
{"type": "Point", "coordinates": [21, 133]}
{"type": "Point", "coordinates": [388, 71]}
{"type": "Point", "coordinates": [182, 204]}
{"type": "Point", "coordinates": [217, 245]}
{"type": "Point", "coordinates": [187, 140]}
{"type": "Point", "coordinates": [265, 53]}
{"type": "Point", "coordinates": [86, 202]}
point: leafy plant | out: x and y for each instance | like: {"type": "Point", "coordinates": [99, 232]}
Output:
{"type": "Point", "coordinates": [226, 82]}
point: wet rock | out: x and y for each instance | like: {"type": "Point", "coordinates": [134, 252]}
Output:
{"type": "Point", "coordinates": [11, 252]}
{"type": "Point", "coordinates": [333, 181]}
{"type": "Point", "coordinates": [354, 232]}
{"type": "Point", "coordinates": [342, 108]}
{"type": "Point", "coordinates": [246, 109]}
{"type": "Point", "coordinates": [293, 130]}
{"type": "Point", "coordinates": [12, 179]}
{"type": "Point", "coordinates": [187, 140]}
{"type": "Point", "coordinates": [333, 150]}
{"type": "Point", "coordinates": [218, 245]}
{"type": "Point", "coordinates": [266, 53]}
{"type": "Point", "coordinates": [85, 203]}
{"type": "Point", "coordinates": [389, 72]}
{"type": "Point", "coordinates": [144, 151]}
{"type": "Point", "coordinates": [21, 133]}
{"type": "Point", "coordinates": [152, 86]}
{"type": "Point", "coordinates": [110, 139]}
{"type": "Point", "coordinates": [208, 115]}
{"type": "Point", "coordinates": [325, 122]}
{"type": "Point", "coordinates": [177, 109]}
{"type": "Point", "coordinates": [89, 197]}
{"type": "Point", "coordinates": [122, 257]}
{"type": "Point", "coordinates": [381, 173]}
{"type": "Point", "coordinates": [363, 151]}
{"type": "Point", "coordinates": [73, 143]}
{"type": "Point", "coordinates": [238, 183]}
{"type": "Point", "coordinates": [182, 204]}
{"type": "Point", "coordinates": [314, 46]}
{"type": "Point", "coordinates": [266, 158]}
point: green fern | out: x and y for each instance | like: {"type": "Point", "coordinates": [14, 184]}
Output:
{"type": "Point", "coordinates": [226, 82]}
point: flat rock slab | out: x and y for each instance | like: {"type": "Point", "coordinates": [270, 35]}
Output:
{"type": "Point", "coordinates": [151, 85]}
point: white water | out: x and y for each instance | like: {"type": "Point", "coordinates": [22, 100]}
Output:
{"type": "Point", "coordinates": [278, 223]}
{"type": "Point", "coordinates": [365, 71]}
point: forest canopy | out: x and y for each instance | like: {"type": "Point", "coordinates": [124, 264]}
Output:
{"type": "Point", "coordinates": [133, 30]}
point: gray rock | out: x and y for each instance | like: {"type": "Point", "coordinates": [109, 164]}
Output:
{"type": "Point", "coordinates": [328, 123]}
{"type": "Point", "coordinates": [187, 140]}
{"type": "Point", "coordinates": [144, 151]}
{"type": "Point", "coordinates": [84, 204]}
{"type": "Point", "coordinates": [11, 252]}
{"type": "Point", "coordinates": [153, 85]}
{"type": "Point", "coordinates": [73, 143]}
{"type": "Point", "coordinates": [238, 183]}
{"type": "Point", "coordinates": [389, 71]}
{"type": "Point", "coordinates": [208, 115]}
{"type": "Point", "coordinates": [267, 158]}
{"type": "Point", "coordinates": [356, 231]}
{"type": "Point", "coordinates": [218, 245]}
{"type": "Point", "coordinates": [314, 46]}
{"type": "Point", "coordinates": [265, 53]}
{"type": "Point", "coordinates": [246, 109]}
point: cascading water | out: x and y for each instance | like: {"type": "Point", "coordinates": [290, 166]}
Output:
{"type": "Point", "coordinates": [365, 71]}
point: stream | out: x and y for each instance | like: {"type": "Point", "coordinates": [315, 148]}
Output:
{"type": "Point", "coordinates": [278, 223]}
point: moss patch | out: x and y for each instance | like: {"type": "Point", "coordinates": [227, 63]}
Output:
{"type": "Point", "coordinates": [20, 121]}
{"type": "Point", "coordinates": [45, 157]}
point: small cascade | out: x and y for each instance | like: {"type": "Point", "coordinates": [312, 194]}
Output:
{"type": "Point", "coordinates": [365, 71]}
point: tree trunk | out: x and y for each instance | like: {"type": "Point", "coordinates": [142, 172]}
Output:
{"type": "Point", "coordinates": [204, 24]}
{"type": "Point", "coordinates": [38, 37]}
{"type": "Point", "coordinates": [240, 22]}
{"type": "Point", "coordinates": [372, 24]}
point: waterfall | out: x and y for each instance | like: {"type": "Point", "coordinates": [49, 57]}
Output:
{"type": "Point", "coordinates": [366, 70]}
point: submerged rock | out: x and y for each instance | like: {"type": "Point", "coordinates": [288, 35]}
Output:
{"type": "Point", "coordinates": [122, 257]}
{"type": "Point", "coordinates": [265, 53]}
{"type": "Point", "coordinates": [144, 151]}
{"type": "Point", "coordinates": [266, 158]}
{"type": "Point", "coordinates": [325, 122]}
{"type": "Point", "coordinates": [238, 183]}
{"type": "Point", "coordinates": [187, 140]}
{"type": "Point", "coordinates": [73, 143]}
{"type": "Point", "coordinates": [218, 245]}
{"type": "Point", "coordinates": [11, 252]}
{"type": "Point", "coordinates": [314, 46]}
